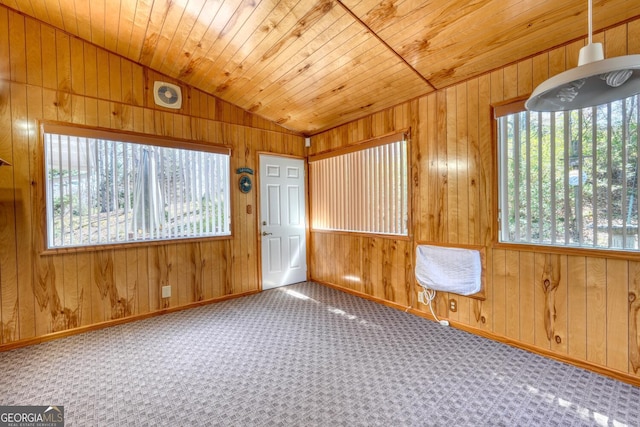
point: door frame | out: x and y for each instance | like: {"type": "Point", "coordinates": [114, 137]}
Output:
{"type": "Point", "coordinates": [258, 209]}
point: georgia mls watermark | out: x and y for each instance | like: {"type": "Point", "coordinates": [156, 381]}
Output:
{"type": "Point", "coordinates": [31, 416]}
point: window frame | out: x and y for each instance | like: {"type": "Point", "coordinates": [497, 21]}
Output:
{"type": "Point", "coordinates": [83, 131]}
{"type": "Point", "coordinates": [359, 146]}
{"type": "Point", "coordinates": [515, 105]}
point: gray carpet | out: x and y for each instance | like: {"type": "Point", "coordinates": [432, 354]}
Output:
{"type": "Point", "coordinates": [305, 355]}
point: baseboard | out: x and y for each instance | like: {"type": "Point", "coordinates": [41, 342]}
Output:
{"type": "Point", "coordinates": [603, 370]}
{"type": "Point", "coordinates": [108, 323]}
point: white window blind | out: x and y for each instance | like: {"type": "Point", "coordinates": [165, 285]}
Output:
{"type": "Point", "coordinates": [570, 178]}
{"type": "Point", "coordinates": [101, 191]}
{"type": "Point", "coordinates": [362, 190]}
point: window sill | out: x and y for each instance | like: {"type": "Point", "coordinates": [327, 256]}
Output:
{"type": "Point", "coordinates": [570, 250]}
{"type": "Point", "coordinates": [131, 245]}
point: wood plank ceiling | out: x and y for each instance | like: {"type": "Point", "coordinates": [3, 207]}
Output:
{"type": "Point", "coordinates": [314, 64]}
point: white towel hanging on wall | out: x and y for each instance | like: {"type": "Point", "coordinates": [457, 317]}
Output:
{"type": "Point", "coordinates": [446, 269]}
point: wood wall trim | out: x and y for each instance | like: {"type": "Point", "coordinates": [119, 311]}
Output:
{"type": "Point", "coordinates": [128, 245]}
{"type": "Point", "coordinates": [512, 106]}
{"type": "Point", "coordinates": [568, 250]}
{"type": "Point", "coordinates": [362, 145]}
{"type": "Point", "coordinates": [109, 323]}
{"type": "Point", "coordinates": [61, 128]}
{"type": "Point", "coordinates": [612, 373]}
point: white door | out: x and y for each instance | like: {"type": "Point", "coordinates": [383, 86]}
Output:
{"type": "Point", "coordinates": [282, 221]}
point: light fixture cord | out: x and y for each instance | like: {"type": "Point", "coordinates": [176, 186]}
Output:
{"type": "Point", "coordinates": [590, 21]}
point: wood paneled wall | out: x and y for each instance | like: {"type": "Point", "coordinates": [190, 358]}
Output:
{"type": "Point", "coordinates": [53, 76]}
{"type": "Point", "coordinates": [575, 306]}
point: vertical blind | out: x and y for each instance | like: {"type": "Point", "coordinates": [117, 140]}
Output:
{"type": "Point", "coordinates": [361, 190]}
{"type": "Point", "coordinates": [571, 178]}
{"type": "Point", "coordinates": [102, 191]}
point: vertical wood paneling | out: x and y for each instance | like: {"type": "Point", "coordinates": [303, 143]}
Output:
{"type": "Point", "coordinates": [615, 41]}
{"type": "Point", "coordinates": [525, 77]}
{"type": "Point", "coordinates": [617, 315]}
{"type": "Point", "coordinates": [100, 268]}
{"type": "Point", "coordinates": [90, 80]}
{"type": "Point", "coordinates": [474, 163]}
{"type": "Point", "coordinates": [131, 255]}
{"type": "Point", "coordinates": [540, 69]}
{"type": "Point", "coordinates": [183, 286]}
{"type": "Point", "coordinates": [24, 103]}
{"type": "Point", "coordinates": [433, 200]}
{"type": "Point", "coordinates": [633, 37]}
{"type": "Point", "coordinates": [442, 230]}
{"type": "Point", "coordinates": [528, 284]}
{"type": "Point", "coordinates": [452, 207]}
{"type": "Point", "coordinates": [580, 306]}
{"type": "Point", "coordinates": [546, 278]}
{"type": "Point", "coordinates": [58, 316]}
{"type": "Point", "coordinates": [557, 60]}
{"type": "Point", "coordinates": [53, 76]}
{"type": "Point", "coordinates": [634, 317]}
{"type": "Point", "coordinates": [172, 278]}
{"type": "Point", "coordinates": [484, 163]}
{"type": "Point", "coordinates": [119, 300]}
{"type": "Point", "coordinates": [421, 168]}
{"type": "Point", "coordinates": [34, 53]}
{"type": "Point", "coordinates": [499, 292]}
{"type": "Point", "coordinates": [63, 63]}
{"type": "Point", "coordinates": [71, 297]}
{"type": "Point", "coordinates": [597, 310]}
{"type": "Point", "coordinates": [591, 314]}
{"type": "Point", "coordinates": [577, 310]}
{"type": "Point", "coordinates": [77, 66]}
{"type": "Point", "coordinates": [560, 305]}
{"type": "Point", "coordinates": [511, 295]}
{"type": "Point", "coordinates": [8, 257]}
{"type": "Point", "coordinates": [84, 288]}
{"type": "Point", "coordinates": [462, 163]}
{"type": "Point", "coordinates": [510, 83]}
{"type": "Point", "coordinates": [17, 51]}
{"type": "Point", "coordinates": [48, 51]}
{"type": "Point", "coordinates": [142, 285]}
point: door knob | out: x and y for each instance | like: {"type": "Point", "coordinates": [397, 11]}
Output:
{"type": "Point", "coordinates": [264, 233]}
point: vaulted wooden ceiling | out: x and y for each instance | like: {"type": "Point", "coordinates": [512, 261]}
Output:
{"type": "Point", "coordinates": [314, 64]}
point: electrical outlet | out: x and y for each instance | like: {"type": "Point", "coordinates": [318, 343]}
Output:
{"type": "Point", "coordinates": [453, 305]}
{"type": "Point", "coordinates": [421, 297]}
{"type": "Point", "coordinates": [166, 291]}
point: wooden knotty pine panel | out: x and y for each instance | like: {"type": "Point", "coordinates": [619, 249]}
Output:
{"type": "Point", "coordinates": [53, 76]}
{"type": "Point", "coordinates": [579, 307]}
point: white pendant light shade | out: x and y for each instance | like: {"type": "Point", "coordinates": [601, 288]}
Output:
{"type": "Point", "coordinates": [594, 81]}
{"type": "Point", "coordinates": [587, 85]}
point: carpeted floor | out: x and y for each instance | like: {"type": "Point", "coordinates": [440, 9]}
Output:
{"type": "Point", "coordinates": [305, 355]}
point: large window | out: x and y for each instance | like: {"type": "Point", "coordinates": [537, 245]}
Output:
{"type": "Point", "coordinates": [570, 178]}
{"type": "Point", "coordinates": [362, 188]}
{"type": "Point", "coordinates": [101, 189]}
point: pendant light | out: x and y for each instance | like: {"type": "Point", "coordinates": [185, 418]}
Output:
{"type": "Point", "coordinates": [594, 81]}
